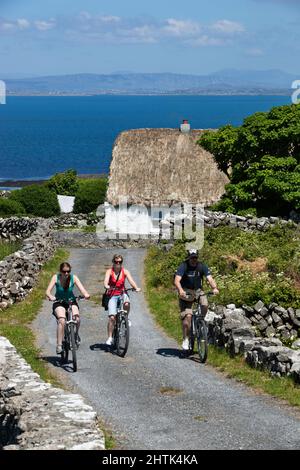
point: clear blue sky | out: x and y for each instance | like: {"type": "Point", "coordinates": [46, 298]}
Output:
{"type": "Point", "coordinates": [51, 37]}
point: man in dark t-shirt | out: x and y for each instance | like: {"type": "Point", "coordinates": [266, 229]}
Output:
{"type": "Point", "coordinates": [189, 283]}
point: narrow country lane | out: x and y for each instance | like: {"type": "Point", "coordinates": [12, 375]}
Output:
{"type": "Point", "coordinates": [203, 410]}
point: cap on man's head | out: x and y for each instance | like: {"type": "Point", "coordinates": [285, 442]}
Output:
{"type": "Point", "coordinates": [192, 252]}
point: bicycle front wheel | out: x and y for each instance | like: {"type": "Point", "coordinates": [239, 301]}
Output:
{"type": "Point", "coordinates": [122, 339]}
{"type": "Point", "coordinates": [73, 346]}
{"type": "Point", "coordinates": [65, 347]}
{"type": "Point", "coordinates": [192, 336]}
{"type": "Point", "coordinates": [201, 334]}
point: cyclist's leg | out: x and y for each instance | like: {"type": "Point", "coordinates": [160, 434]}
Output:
{"type": "Point", "coordinates": [76, 316]}
{"type": "Point", "coordinates": [203, 304]}
{"type": "Point", "coordinates": [112, 312]}
{"type": "Point", "coordinates": [60, 314]}
{"type": "Point", "coordinates": [186, 314]}
{"type": "Point", "coordinates": [126, 303]}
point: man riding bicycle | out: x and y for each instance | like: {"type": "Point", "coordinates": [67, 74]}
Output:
{"type": "Point", "coordinates": [189, 283]}
{"type": "Point", "coordinates": [114, 283]}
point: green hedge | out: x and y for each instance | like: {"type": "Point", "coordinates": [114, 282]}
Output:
{"type": "Point", "coordinates": [90, 195]}
{"type": "Point", "coordinates": [9, 207]}
{"type": "Point", "coordinates": [37, 200]}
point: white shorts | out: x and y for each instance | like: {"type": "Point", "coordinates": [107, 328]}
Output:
{"type": "Point", "coordinates": [114, 302]}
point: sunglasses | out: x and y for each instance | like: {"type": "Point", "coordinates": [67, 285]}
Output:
{"type": "Point", "coordinates": [118, 262]}
{"type": "Point", "coordinates": [66, 272]}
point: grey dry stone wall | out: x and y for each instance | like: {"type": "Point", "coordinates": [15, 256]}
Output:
{"type": "Point", "coordinates": [76, 220]}
{"type": "Point", "coordinates": [36, 416]}
{"type": "Point", "coordinates": [17, 228]}
{"type": "Point", "coordinates": [19, 271]}
{"type": "Point", "coordinates": [232, 328]}
{"type": "Point", "coordinates": [248, 223]}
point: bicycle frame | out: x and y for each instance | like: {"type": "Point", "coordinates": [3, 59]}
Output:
{"type": "Point", "coordinates": [199, 329]}
{"type": "Point", "coordinates": [68, 343]}
{"type": "Point", "coordinates": [121, 318]}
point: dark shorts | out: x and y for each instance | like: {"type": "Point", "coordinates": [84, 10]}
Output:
{"type": "Point", "coordinates": [61, 303]}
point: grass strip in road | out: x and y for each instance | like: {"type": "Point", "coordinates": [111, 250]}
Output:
{"type": "Point", "coordinates": [163, 304]}
{"type": "Point", "coordinates": [15, 321]}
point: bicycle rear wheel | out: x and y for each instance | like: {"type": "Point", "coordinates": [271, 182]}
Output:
{"type": "Point", "coordinates": [201, 334]}
{"type": "Point", "coordinates": [122, 339]}
{"type": "Point", "coordinates": [73, 346]}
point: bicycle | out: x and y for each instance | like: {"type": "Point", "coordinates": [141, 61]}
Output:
{"type": "Point", "coordinates": [69, 341]}
{"type": "Point", "coordinates": [199, 330]}
{"type": "Point", "coordinates": [121, 331]}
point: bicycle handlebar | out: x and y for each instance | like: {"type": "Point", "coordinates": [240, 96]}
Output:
{"type": "Point", "coordinates": [78, 297]}
{"type": "Point", "coordinates": [130, 289]}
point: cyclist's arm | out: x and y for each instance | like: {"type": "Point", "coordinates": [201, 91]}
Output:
{"type": "Point", "coordinates": [178, 285]}
{"type": "Point", "coordinates": [50, 287]}
{"type": "Point", "coordinates": [106, 279]}
{"type": "Point", "coordinates": [131, 281]}
{"type": "Point", "coordinates": [81, 288]}
{"type": "Point", "coordinates": [213, 284]}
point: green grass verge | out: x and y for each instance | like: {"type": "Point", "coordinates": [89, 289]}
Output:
{"type": "Point", "coordinates": [163, 304]}
{"type": "Point", "coordinates": [15, 322]}
{"type": "Point", "coordinates": [109, 439]}
{"type": "Point", "coordinates": [7, 248]}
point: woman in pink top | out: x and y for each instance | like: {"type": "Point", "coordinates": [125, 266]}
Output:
{"type": "Point", "coordinates": [114, 282]}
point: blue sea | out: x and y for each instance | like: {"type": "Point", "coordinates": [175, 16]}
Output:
{"type": "Point", "coordinates": [40, 136]}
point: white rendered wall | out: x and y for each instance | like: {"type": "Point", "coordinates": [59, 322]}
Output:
{"type": "Point", "coordinates": [66, 203]}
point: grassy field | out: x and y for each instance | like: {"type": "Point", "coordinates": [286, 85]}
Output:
{"type": "Point", "coordinates": [15, 322]}
{"type": "Point", "coordinates": [7, 248]}
{"type": "Point", "coordinates": [163, 303]}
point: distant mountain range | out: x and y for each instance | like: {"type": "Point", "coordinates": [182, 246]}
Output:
{"type": "Point", "coordinates": [229, 81]}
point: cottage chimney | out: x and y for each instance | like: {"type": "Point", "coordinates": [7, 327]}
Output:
{"type": "Point", "coordinates": [185, 127]}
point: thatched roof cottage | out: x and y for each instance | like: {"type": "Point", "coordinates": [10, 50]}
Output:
{"type": "Point", "coordinates": [163, 167]}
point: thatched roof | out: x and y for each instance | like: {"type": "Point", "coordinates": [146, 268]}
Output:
{"type": "Point", "coordinates": [163, 166]}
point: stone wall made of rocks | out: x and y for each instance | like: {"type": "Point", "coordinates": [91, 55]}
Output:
{"type": "Point", "coordinates": [216, 219]}
{"type": "Point", "coordinates": [211, 219]}
{"type": "Point", "coordinates": [76, 220]}
{"type": "Point", "coordinates": [19, 271]}
{"type": "Point", "coordinates": [233, 329]}
{"type": "Point", "coordinates": [34, 415]}
{"type": "Point", "coordinates": [15, 228]}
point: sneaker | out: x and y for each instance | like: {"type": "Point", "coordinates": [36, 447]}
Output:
{"type": "Point", "coordinates": [186, 344]}
{"type": "Point", "coordinates": [59, 349]}
{"type": "Point", "coordinates": [109, 341]}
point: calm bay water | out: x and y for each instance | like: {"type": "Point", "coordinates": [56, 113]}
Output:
{"type": "Point", "coordinates": [40, 136]}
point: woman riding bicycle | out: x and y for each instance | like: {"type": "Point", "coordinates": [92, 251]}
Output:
{"type": "Point", "coordinates": [64, 282]}
{"type": "Point", "coordinates": [114, 283]}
